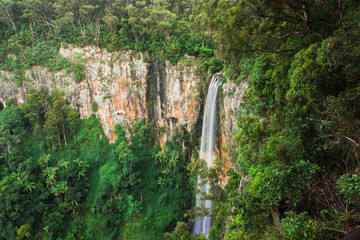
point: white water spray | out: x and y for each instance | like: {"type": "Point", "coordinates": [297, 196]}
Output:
{"type": "Point", "coordinates": [207, 152]}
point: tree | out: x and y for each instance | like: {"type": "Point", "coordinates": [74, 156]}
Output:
{"type": "Point", "coordinates": [89, 16]}
{"type": "Point", "coordinates": [7, 10]}
{"type": "Point", "coordinates": [72, 119]}
{"type": "Point", "coordinates": [51, 126]}
{"type": "Point", "coordinates": [58, 102]}
{"type": "Point", "coordinates": [13, 204]}
{"type": "Point", "coordinates": [162, 19]}
{"type": "Point", "coordinates": [12, 127]}
{"type": "Point", "coordinates": [129, 165]}
{"type": "Point", "coordinates": [269, 26]}
{"type": "Point", "coordinates": [111, 20]}
{"type": "Point", "coordinates": [41, 13]}
{"type": "Point", "coordinates": [35, 108]}
{"type": "Point", "coordinates": [66, 11]}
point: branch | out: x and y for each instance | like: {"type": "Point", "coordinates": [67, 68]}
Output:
{"type": "Point", "coordinates": [352, 141]}
{"type": "Point", "coordinates": [341, 13]}
{"type": "Point", "coordinates": [11, 19]}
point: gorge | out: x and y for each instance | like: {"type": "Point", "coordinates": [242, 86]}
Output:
{"type": "Point", "coordinates": [103, 104]}
{"type": "Point", "coordinates": [125, 89]}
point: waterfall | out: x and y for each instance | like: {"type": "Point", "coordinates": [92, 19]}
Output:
{"type": "Point", "coordinates": [207, 153]}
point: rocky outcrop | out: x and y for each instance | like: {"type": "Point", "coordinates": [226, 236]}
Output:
{"type": "Point", "coordinates": [233, 94]}
{"type": "Point", "coordinates": [126, 88]}
{"type": "Point", "coordinates": [116, 82]}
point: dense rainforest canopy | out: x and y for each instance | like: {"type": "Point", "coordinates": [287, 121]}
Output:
{"type": "Point", "coordinates": [295, 174]}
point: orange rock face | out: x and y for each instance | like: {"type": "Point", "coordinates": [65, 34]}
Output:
{"type": "Point", "coordinates": [233, 96]}
{"type": "Point", "coordinates": [126, 89]}
{"type": "Point", "coordinates": [119, 84]}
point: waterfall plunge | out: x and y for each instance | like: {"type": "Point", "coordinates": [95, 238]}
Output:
{"type": "Point", "coordinates": [207, 152]}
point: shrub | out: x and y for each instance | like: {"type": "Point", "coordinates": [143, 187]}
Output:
{"type": "Point", "coordinates": [349, 187]}
{"type": "Point", "coordinates": [94, 107]}
{"type": "Point", "coordinates": [298, 226]}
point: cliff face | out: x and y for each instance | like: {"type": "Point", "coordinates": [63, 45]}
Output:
{"type": "Point", "coordinates": [126, 88]}
{"type": "Point", "coordinates": [232, 97]}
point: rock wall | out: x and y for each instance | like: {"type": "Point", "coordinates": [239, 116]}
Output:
{"type": "Point", "coordinates": [233, 94]}
{"type": "Point", "coordinates": [126, 88]}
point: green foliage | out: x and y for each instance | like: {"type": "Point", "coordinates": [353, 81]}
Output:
{"type": "Point", "coordinates": [12, 131]}
{"type": "Point", "coordinates": [94, 107]}
{"type": "Point", "coordinates": [33, 31]}
{"type": "Point", "coordinates": [174, 52]}
{"type": "Point", "coordinates": [50, 126]}
{"type": "Point", "coordinates": [299, 226]}
{"type": "Point", "coordinates": [45, 183]}
{"type": "Point", "coordinates": [29, 54]}
{"type": "Point", "coordinates": [86, 187]}
{"type": "Point", "coordinates": [23, 231]}
{"type": "Point", "coordinates": [349, 187]}
{"type": "Point", "coordinates": [78, 68]}
{"type": "Point", "coordinates": [214, 65]}
{"type": "Point", "coordinates": [272, 183]}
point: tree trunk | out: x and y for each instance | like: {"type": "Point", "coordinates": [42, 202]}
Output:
{"type": "Point", "coordinates": [32, 35]}
{"type": "Point", "coordinates": [341, 14]}
{"type": "Point", "coordinates": [8, 147]}
{"type": "Point", "coordinates": [306, 13]}
{"type": "Point", "coordinates": [276, 216]}
{"type": "Point", "coordinates": [58, 135]}
{"type": "Point", "coordinates": [64, 132]}
{"type": "Point", "coordinates": [10, 19]}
